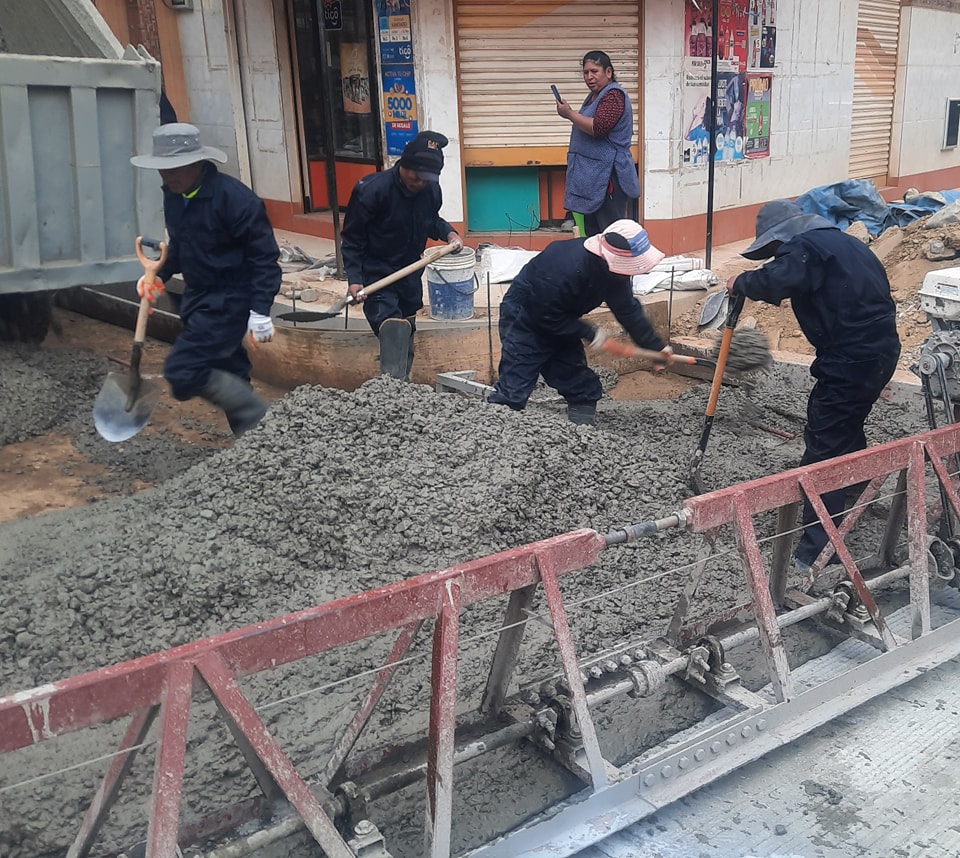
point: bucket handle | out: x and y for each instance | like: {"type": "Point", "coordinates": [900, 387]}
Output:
{"type": "Point", "coordinates": [456, 283]}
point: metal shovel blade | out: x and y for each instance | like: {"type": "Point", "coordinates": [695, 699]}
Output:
{"type": "Point", "coordinates": [714, 311]}
{"type": "Point", "coordinates": [112, 417]}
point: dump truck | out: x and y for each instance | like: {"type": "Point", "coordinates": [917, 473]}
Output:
{"type": "Point", "coordinates": [74, 106]}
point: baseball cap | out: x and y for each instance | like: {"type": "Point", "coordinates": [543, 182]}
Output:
{"type": "Point", "coordinates": [423, 155]}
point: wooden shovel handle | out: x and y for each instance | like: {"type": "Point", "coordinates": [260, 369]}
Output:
{"type": "Point", "coordinates": [150, 269]}
{"type": "Point", "coordinates": [628, 350]}
{"type": "Point", "coordinates": [431, 255]}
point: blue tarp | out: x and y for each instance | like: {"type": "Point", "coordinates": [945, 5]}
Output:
{"type": "Point", "coordinates": [859, 200]}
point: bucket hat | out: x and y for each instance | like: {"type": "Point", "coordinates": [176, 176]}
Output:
{"type": "Point", "coordinates": [781, 220]}
{"type": "Point", "coordinates": [177, 144]}
{"type": "Point", "coordinates": [423, 155]}
{"type": "Point", "coordinates": [625, 247]}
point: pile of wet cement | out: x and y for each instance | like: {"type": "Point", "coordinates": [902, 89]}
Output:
{"type": "Point", "coordinates": [339, 492]}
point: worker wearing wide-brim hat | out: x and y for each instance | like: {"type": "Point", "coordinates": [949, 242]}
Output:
{"type": "Point", "coordinates": [222, 242]}
{"type": "Point", "coordinates": [541, 329]}
{"type": "Point", "coordinates": [840, 294]}
{"type": "Point", "coordinates": [389, 218]}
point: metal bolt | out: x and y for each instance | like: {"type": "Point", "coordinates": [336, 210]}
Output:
{"type": "Point", "coordinates": [762, 724]}
{"type": "Point", "coordinates": [610, 666]}
{"type": "Point", "coordinates": [364, 826]}
{"type": "Point", "coordinates": [650, 779]}
{"type": "Point", "coordinates": [683, 762]}
{"type": "Point", "coordinates": [596, 672]}
{"type": "Point", "coordinates": [731, 738]}
{"type": "Point", "coordinates": [666, 772]}
{"type": "Point", "coordinates": [716, 747]}
{"type": "Point", "coordinates": [625, 660]}
{"type": "Point", "coordinates": [746, 732]}
{"type": "Point", "coordinates": [699, 754]}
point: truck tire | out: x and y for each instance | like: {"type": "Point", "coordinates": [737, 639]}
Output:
{"type": "Point", "coordinates": [25, 317]}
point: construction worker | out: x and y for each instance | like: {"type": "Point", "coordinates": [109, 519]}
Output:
{"type": "Point", "coordinates": [389, 218]}
{"type": "Point", "coordinates": [222, 243]}
{"type": "Point", "coordinates": [541, 331]}
{"type": "Point", "coordinates": [840, 294]}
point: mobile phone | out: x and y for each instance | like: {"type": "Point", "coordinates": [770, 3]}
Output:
{"type": "Point", "coordinates": [556, 92]}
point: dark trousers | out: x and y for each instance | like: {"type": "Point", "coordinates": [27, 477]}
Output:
{"type": "Point", "coordinates": [839, 404]}
{"type": "Point", "coordinates": [400, 301]}
{"type": "Point", "coordinates": [526, 354]}
{"type": "Point", "coordinates": [212, 338]}
{"type": "Point", "coordinates": [616, 205]}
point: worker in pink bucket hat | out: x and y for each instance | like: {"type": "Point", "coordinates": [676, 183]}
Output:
{"type": "Point", "coordinates": [541, 329]}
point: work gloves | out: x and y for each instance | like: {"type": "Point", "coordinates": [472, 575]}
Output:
{"type": "Point", "coordinates": [151, 291]}
{"type": "Point", "coordinates": [260, 328]}
{"type": "Point", "coordinates": [455, 241]}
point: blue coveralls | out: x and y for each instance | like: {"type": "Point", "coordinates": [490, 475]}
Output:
{"type": "Point", "coordinates": [541, 331]}
{"type": "Point", "coordinates": [386, 227]}
{"type": "Point", "coordinates": [222, 243]}
{"type": "Point", "coordinates": [841, 297]}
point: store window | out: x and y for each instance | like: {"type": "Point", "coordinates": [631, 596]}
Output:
{"type": "Point", "coordinates": [351, 70]}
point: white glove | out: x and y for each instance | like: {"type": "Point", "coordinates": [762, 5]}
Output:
{"type": "Point", "coordinates": [455, 241]}
{"type": "Point", "coordinates": [260, 328]}
{"type": "Point", "coordinates": [599, 338]}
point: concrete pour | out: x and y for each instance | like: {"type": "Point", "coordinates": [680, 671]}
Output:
{"type": "Point", "coordinates": [333, 494]}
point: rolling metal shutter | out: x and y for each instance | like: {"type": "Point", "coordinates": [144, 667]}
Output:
{"type": "Point", "coordinates": [508, 54]}
{"type": "Point", "coordinates": [878, 36]}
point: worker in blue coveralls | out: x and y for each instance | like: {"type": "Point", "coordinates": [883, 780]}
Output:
{"type": "Point", "coordinates": [389, 218]}
{"type": "Point", "coordinates": [541, 329]}
{"type": "Point", "coordinates": [222, 243]}
{"type": "Point", "coordinates": [840, 294]}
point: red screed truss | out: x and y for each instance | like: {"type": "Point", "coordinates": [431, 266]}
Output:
{"type": "Point", "coordinates": [160, 687]}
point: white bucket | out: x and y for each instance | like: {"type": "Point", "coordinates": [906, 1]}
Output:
{"type": "Point", "coordinates": [451, 284]}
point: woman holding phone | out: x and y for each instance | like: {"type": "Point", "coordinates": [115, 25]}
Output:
{"type": "Point", "coordinates": [602, 184]}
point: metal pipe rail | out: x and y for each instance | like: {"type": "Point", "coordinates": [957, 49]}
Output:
{"type": "Point", "coordinates": [160, 686]}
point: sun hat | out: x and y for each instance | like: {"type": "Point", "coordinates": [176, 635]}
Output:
{"type": "Point", "coordinates": [781, 220]}
{"type": "Point", "coordinates": [177, 144]}
{"type": "Point", "coordinates": [423, 155]}
{"type": "Point", "coordinates": [625, 247]}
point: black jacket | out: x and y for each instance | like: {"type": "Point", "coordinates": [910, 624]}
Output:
{"type": "Point", "coordinates": [566, 281]}
{"type": "Point", "coordinates": [839, 293]}
{"type": "Point", "coordinates": [386, 227]}
{"type": "Point", "coordinates": [221, 241]}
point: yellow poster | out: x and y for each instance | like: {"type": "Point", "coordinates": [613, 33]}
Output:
{"type": "Point", "coordinates": [355, 78]}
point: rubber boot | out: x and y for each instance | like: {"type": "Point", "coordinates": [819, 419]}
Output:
{"type": "Point", "coordinates": [584, 413]}
{"type": "Point", "coordinates": [395, 336]}
{"type": "Point", "coordinates": [244, 409]}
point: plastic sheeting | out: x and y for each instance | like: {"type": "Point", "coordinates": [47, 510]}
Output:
{"type": "Point", "coordinates": [859, 200]}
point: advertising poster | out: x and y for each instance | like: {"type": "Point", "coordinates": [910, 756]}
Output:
{"type": "Point", "coordinates": [699, 29]}
{"type": "Point", "coordinates": [399, 107]}
{"type": "Point", "coordinates": [732, 39]}
{"type": "Point", "coordinates": [332, 15]}
{"type": "Point", "coordinates": [731, 109]}
{"type": "Point", "coordinates": [729, 113]}
{"type": "Point", "coordinates": [762, 34]}
{"type": "Point", "coordinates": [393, 23]}
{"type": "Point", "coordinates": [757, 132]}
{"type": "Point", "coordinates": [354, 77]}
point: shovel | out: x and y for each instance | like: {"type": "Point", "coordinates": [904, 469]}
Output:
{"type": "Point", "coordinates": [123, 405]}
{"type": "Point", "coordinates": [429, 256]}
{"type": "Point", "coordinates": [732, 317]}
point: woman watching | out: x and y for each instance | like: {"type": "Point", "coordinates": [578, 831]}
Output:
{"type": "Point", "coordinates": [601, 176]}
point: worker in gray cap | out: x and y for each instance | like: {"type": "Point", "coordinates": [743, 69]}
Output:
{"type": "Point", "coordinates": [840, 294]}
{"type": "Point", "coordinates": [388, 220]}
{"type": "Point", "coordinates": [222, 243]}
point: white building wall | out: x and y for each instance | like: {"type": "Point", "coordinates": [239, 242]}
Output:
{"type": "Point", "coordinates": [810, 111]}
{"type": "Point", "coordinates": [434, 48]}
{"type": "Point", "coordinates": [928, 74]}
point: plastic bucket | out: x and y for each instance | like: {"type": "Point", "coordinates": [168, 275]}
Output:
{"type": "Point", "coordinates": [451, 284]}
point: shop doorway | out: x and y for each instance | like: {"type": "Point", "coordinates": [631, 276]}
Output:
{"type": "Point", "coordinates": [340, 133]}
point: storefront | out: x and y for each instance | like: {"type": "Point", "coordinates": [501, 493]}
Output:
{"type": "Point", "coordinates": [335, 54]}
{"type": "Point", "coordinates": [514, 143]}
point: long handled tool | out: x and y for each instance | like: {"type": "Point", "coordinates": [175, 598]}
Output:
{"type": "Point", "coordinates": [429, 256]}
{"type": "Point", "coordinates": [732, 317]}
{"type": "Point", "coordinates": [746, 351]}
{"type": "Point", "coordinates": [124, 403]}
{"type": "Point", "coordinates": [628, 350]}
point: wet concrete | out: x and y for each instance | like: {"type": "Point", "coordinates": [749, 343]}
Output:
{"type": "Point", "coordinates": [336, 493]}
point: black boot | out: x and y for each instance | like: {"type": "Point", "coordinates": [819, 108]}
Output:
{"type": "Point", "coordinates": [244, 409]}
{"type": "Point", "coordinates": [395, 346]}
{"type": "Point", "coordinates": [582, 412]}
